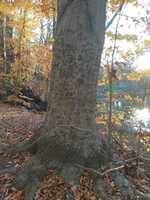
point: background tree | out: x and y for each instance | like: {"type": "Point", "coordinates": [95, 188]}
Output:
{"type": "Point", "coordinates": [6, 34]}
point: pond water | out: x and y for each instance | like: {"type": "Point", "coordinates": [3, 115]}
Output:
{"type": "Point", "coordinates": [136, 117]}
{"type": "Point", "coordinates": [141, 119]}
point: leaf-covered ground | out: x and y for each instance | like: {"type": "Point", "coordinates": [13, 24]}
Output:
{"type": "Point", "coordinates": [17, 124]}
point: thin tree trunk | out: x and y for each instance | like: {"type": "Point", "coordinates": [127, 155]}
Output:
{"type": "Point", "coordinates": [20, 64]}
{"type": "Point", "coordinates": [42, 37]}
{"type": "Point", "coordinates": [4, 44]}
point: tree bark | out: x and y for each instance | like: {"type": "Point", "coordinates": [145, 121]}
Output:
{"type": "Point", "coordinates": [77, 51]}
{"type": "Point", "coordinates": [71, 125]}
{"type": "Point", "coordinates": [71, 137]}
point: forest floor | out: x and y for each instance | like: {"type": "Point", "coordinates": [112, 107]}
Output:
{"type": "Point", "coordinates": [18, 124]}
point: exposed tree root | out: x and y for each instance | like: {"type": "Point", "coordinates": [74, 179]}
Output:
{"type": "Point", "coordinates": [102, 189]}
{"type": "Point", "coordinates": [143, 195]}
{"type": "Point", "coordinates": [69, 195]}
{"type": "Point", "coordinates": [68, 151]}
{"type": "Point", "coordinates": [17, 148]}
{"type": "Point", "coordinates": [11, 170]}
{"type": "Point", "coordinates": [30, 189]}
{"type": "Point", "coordinates": [27, 146]}
{"type": "Point", "coordinates": [62, 150]}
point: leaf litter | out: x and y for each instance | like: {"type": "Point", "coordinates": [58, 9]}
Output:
{"type": "Point", "coordinates": [17, 124]}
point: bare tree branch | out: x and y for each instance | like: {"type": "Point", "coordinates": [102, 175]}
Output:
{"type": "Point", "coordinates": [115, 15]}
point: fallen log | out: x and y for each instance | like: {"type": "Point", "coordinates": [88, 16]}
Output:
{"type": "Point", "coordinates": [25, 98]}
{"type": "Point", "coordinates": [16, 101]}
{"type": "Point", "coordinates": [27, 102]}
{"type": "Point", "coordinates": [36, 103]}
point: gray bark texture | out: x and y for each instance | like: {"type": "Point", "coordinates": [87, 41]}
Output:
{"type": "Point", "coordinates": [78, 47]}
{"type": "Point", "coordinates": [77, 52]}
{"type": "Point", "coordinates": [71, 125]}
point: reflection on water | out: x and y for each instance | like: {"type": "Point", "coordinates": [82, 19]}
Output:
{"type": "Point", "coordinates": [141, 117]}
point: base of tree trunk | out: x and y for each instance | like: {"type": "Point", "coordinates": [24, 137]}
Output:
{"type": "Point", "coordinates": [69, 150]}
{"type": "Point", "coordinates": [64, 149]}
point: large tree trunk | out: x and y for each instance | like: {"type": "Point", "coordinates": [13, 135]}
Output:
{"type": "Point", "coordinates": [77, 53]}
{"type": "Point", "coordinates": [78, 47]}
{"type": "Point", "coordinates": [71, 143]}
